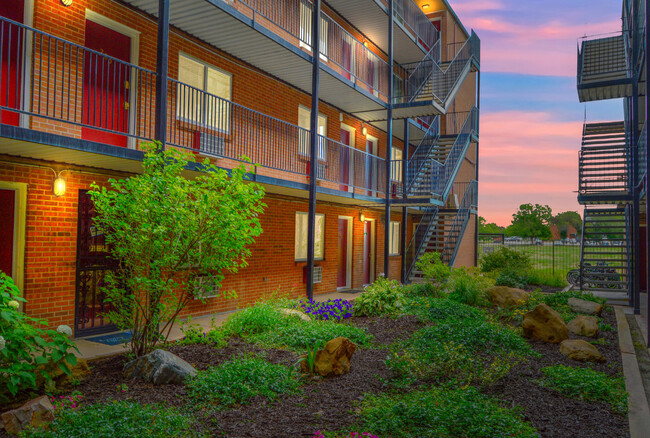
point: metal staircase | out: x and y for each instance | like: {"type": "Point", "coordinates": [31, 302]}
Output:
{"type": "Point", "coordinates": [441, 230]}
{"type": "Point", "coordinates": [603, 72]}
{"type": "Point", "coordinates": [603, 164]}
{"type": "Point", "coordinates": [604, 257]}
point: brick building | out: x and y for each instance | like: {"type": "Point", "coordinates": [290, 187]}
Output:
{"type": "Point", "coordinates": [84, 84]}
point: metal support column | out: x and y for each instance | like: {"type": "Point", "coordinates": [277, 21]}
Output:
{"type": "Point", "coordinates": [635, 283]}
{"type": "Point", "coordinates": [476, 221]}
{"type": "Point", "coordinates": [389, 143]}
{"type": "Point", "coordinates": [162, 66]}
{"type": "Point", "coordinates": [646, 44]}
{"type": "Point", "coordinates": [313, 142]}
{"type": "Point", "coordinates": [404, 229]}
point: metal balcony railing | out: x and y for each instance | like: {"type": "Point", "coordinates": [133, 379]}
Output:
{"type": "Point", "coordinates": [64, 88]}
{"type": "Point", "coordinates": [411, 16]}
{"type": "Point", "coordinates": [422, 154]}
{"type": "Point", "coordinates": [455, 234]}
{"type": "Point", "coordinates": [291, 19]}
{"type": "Point", "coordinates": [604, 160]}
{"type": "Point", "coordinates": [602, 59]}
{"type": "Point", "coordinates": [641, 148]}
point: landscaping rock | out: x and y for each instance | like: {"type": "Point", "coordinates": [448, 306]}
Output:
{"type": "Point", "coordinates": [35, 413]}
{"type": "Point", "coordinates": [504, 296]}
{"type": "Point", "coordinates": [545, 324]}
{"type": "Point", "coordinates": [77, 373]}
{"type": "Point", "coordinates": [580, 350]}
{"type": "Point", "coordinates": [294, 312]}
{"type": "Point", "coordinates": [334, 359]}
{"type": "Point", "coordinates": [159, 367]}
{"type": "Point", "coordinates": [583, 325]}
{"type": "Point", "coordinates": [583, 306]}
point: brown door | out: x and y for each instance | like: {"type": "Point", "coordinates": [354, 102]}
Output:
{"type": "Point", "coordinates": [342, 278]}
{"type": "Point", "coordinates": [7, 218]}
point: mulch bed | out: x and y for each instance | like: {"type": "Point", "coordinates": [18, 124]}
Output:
{"type": "Point", "coordinates": [329, 404]}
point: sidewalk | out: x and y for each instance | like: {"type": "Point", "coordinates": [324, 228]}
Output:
{"type": "Point", "coordinates": [90, 350]}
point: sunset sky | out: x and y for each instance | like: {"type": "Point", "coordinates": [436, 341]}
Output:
{"type": "Point", "coordinates": [531, 120]}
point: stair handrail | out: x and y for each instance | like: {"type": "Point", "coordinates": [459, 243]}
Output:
{"type": "Point", "coordinates": [419, 237]}
{"type": "Point", "coordinates": [470, 50]}
{"type": "Point", "coordinates": [460, 221]}
{"type": "Point", "coordinates": [417, 77]}
{"type": "Point", "coordinates": [422, 153]}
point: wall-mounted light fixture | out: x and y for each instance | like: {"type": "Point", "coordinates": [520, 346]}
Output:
{"type": "Point", "coordinates": [58, 187]}
{"type": "Point", "coordinates": [364, 130]}
{"type": "Point", "coordinates": [362, 217]}
{"type": "Point", "coordinates": [426, 6]}
{"type": "Point", "coordinates": [66, 3]}
{"type": "Point", "coordinates": [365, 43]}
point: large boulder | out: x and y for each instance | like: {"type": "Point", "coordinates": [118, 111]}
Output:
{"type": "Point", "coordinates": [504, 296]}
{"type": "Point", "coordinates": [159, 367]}
{"type": "Point", "coordinates": [545, 324]}
{"type": "Point", "coordinates": [583, 325]}
{"type": "Point", "coordinates": [35, 413]}
{"type": "Point", "coordinates": [584, 306]}
{"type": "Point", "coordinates": [334, 359]}
{"type": "Point", "coordinates": [580, 350]}
{"type": "Point", "coordinates": [296, 313]}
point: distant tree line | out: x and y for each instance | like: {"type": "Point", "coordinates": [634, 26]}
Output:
{"type": "Point", "coordinates": [534, 221]}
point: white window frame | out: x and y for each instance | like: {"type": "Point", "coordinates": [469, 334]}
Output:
{"type": "Point", "coordinates": [300, 254]}
{"type": "Point", "coordinates": [395, 167]}
{"type": "Point", "coordinates": [395, 236]}
{"type": "Point", "coordinates": [305, 30]}
{"type": "Point", "coordinates": [303, 145]}
{"type": "Point", "coordinates": [222, 126]}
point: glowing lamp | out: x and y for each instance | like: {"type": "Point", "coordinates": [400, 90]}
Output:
{"type": "Point", "coordinates": [362, 217]}
{"type": "Point", "coordinates": [426, 6]}
{"type": "Point", "coordinates": [59, 187]}
{"type": "Point", "coordinates": [364, 130]}
{"type": "Point", "coordinates": [66, 3]}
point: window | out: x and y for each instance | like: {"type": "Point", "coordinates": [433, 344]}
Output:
{"type": "Point", "coordinates": [305, 29]}
{"type": "Point", "coordinates": [304, 115]}
{"type": "Point", "coordinates": [203, 94]}
{"type": "Point", "coordinates": [396, 164]}
{"type": "Point", "coordinates": [301, 236]}
{"type": "Point", "coordinates": [394, 238]}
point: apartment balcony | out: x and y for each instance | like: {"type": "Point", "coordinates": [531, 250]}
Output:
{"type": "Point", "coordinates": [275, 36]}
{"type": "Point", "coordinates": [603, 69]}
{"type": "Point", "coordinates": [414, 34]}
{"type": "Point", "coordinates": [66, 103]}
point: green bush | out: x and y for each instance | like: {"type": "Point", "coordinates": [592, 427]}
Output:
{"type": "Point", "coordinates": [239, 380]}
{"type": "Point", "coordinates": [587, 384]}
{"type": "Point", "coordinates": [383, 297]}
{"type": "Point", "coordinates": [546, 278]}
{"type": "Point", "coordinates": [260, 318]}
{"type": "Point", "coordinates": [117, 419]}
{"type": "Point", "coordinates": [27, 351]}
{"type": "Point", "coordinates": [194, 334]}
{"type": "Point", "coordinates": [468, 287]}
{"type": "Point", "coordinates": [505, 259]}
{"type": "Point", "coordinates": [435, 271]}
{"type": "Point", "coordinates": [438, 309]}
{"type": "Point", "coordinates": [424, 290]}
{"type": "Point", "coordinates": [442, 413]}
{"type": "Point", "coordinates": [512, 279]}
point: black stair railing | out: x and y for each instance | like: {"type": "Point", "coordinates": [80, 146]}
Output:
{"type": "Point", "coordinates": [420, 237]}
{"type": "Point", "coordinates": [452, 241]}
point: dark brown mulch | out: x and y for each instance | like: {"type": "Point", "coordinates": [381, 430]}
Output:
{"type": "Point", "coordinates": [389, 330]}
{"type": "Point", "coordinates": [554, 415]}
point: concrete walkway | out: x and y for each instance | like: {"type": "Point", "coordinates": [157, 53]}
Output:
{"type": "Point", "coordinates": [90, 350]}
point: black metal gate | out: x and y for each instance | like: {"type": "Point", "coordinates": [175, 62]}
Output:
{"type": "Point", "coordinates": [93, 262]}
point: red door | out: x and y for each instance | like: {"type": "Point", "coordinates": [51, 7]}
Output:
{"type": "Point", "coordinates": [367, 252]}
{"type": "Point", "coordinates": [106, 84]}
{"type": "Point", "coordinates": [12, 59]}
{"type": "Point", "coordinates": [344, 161]}
{"type": "Point", "coordinates": [342, 279]}
{"type": "Point", "coordinates": [7, 212]}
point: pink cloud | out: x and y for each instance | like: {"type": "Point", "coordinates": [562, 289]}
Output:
{"type": "Point", "coordinates": [527, 157]}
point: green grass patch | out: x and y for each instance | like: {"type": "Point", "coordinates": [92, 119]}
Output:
{"type": "Point", "coordinates": [546, 278]}
{"type": "Point", "coordinates": [239, 380]}
{"type": "Point", "coordinates": [442, 413]}
{"type": "Point", "coordinates": [587, 384]}
{"type": "Point", "coordinates": [117, 419]}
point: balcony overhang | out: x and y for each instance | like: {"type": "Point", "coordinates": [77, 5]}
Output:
{"type": "Point", "coordinates": [223, 26]}
{"type": "Point", "coordinates": [605, 198]}
{"type": "Point", "coordinates": [420, 108]}
{"type": "Point", "coordinates": [603, 90]}
{"type": "Point", "coordinates": [370, 17]}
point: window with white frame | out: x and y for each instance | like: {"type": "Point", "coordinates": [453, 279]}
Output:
{"type": "Point", "coordinates": [396, 164]}
{"type": "Point", "coordinates": [394, 238]}
{"type": "Point", "coordinates": [203, 94]}
{"type": "Point", "coordinates": [305, 29]}
{"type": "Point", "coordinates": [304, 121]}
{"type": "Point", "coordinates": [301, 236]}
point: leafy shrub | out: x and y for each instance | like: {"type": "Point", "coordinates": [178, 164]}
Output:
{"type": "Point", "coordinates": [467, 287]}
{"type": "Point", "coordinates": [442, 309]}
{"type": "Point", "coordinates": [116, 419]}
{"type": "Point", "coordinates": [442, 413]}
{"type": "Point", "coordinates": [424, 290]}
{"type": "Point", "coordinates": [512, 279]}
{"type": "Point", "coordinates": [383, 297]}
{"type": "Point", "coordinates": [435, 271]}
{"type": "Point", "coordinates": [259, 318]}
{"type": "Point", "coordinates": [587, 384]}
{"type": "Point", "coordinates": [505, 259]}
{"type": "Point", "coordinates": [194, 334]}
{"type": "Point", "coordinates": [538, 277]}
{"type": "Point", "coordinates": [27, 352]}
{"type": "Point", "coordinates": [239, 380]}
{"type": "Point", "coordinates": [328, 310]}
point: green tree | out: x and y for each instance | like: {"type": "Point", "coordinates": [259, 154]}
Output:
{"type": "Point", "coordinates": [174, 238]}
{"type": "Point", "coordinates": [489, 228]}
{"type": "Point", "coordinates": [565, 219]}
{"type": "Point", "coordinates": [531, 221]}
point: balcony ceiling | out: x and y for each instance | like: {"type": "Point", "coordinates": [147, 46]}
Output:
{"type": "Point", "coordinates": [371, 19]}
{"type": "Point", "coordinates": [219, 25]}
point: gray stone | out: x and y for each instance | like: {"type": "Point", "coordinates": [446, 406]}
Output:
{"type": "Point", "coordinates": [586, 307]}
{"type": "Point", "coordinates": [159, 367]}
{"type": "Point", "coordinates": [35, 413]}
